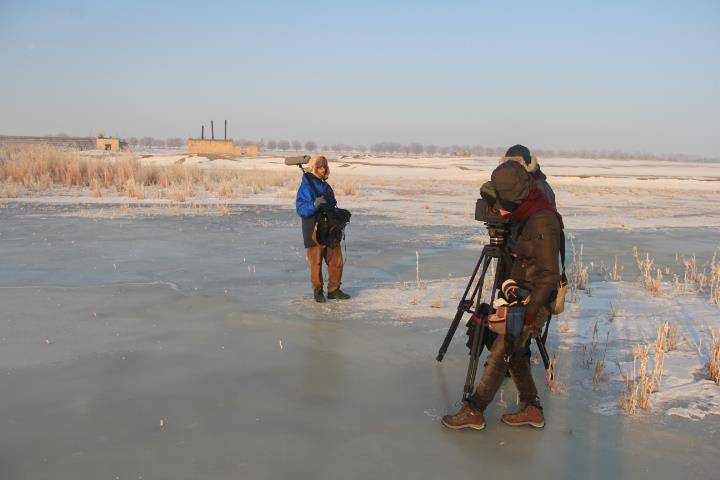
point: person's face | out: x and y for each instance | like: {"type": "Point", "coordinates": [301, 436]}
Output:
{"type": "Point", "coordinates": [322, 171]}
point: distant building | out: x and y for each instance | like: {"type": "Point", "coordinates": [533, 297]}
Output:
{"type": "Point", "coordinates": [203, 146]}
{"type": "Point", "coordinates": [79, 143]}
{"type": "Point", "coordinates": [111, 144]}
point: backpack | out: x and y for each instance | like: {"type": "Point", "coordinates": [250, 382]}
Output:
{"type": "Point", "coordinates": [330, 226]}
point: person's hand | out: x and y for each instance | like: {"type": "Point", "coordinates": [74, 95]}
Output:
{"type": "Point", "coordinates": [319, 201]}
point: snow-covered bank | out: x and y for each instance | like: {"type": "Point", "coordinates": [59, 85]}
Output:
{"type": "Point", "coordinates": [606, 323]}
{"type": "Point", "coordinates": [442, 191]}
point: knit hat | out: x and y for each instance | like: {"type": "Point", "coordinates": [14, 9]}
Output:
{"type": "Point", "coordinates": [520, 151]}
{"type": "Point", "coordinates": [512, 184]}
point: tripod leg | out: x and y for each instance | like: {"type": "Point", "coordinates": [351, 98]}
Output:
{"type": "Point", "coordinates": [463, 305]}
{"type": "Point", "coordinates": [451, 332]}
{"type": "Point", "coordinates": [478, 341]}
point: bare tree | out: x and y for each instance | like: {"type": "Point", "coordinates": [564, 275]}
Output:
{"type": "Point", "coordinates": [431, 149]}
{"type": "Point", "coordinates": [147, 141]}
{"type": "Point", "coordinates": [361, 148]}
{"type": "Point", "coordinates": [272, 144]}
{"type": "Point", "coordinates": [310, 146]}
{"type": "Point", "coordinates": [296, 145]}
{"type": "Point", "coordinates": [284, 145]}
{"type": "Point", "coordinates": [416, 148]}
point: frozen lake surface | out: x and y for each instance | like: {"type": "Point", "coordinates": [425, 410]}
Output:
{"type": "Point", "coordinates": [182, 347]}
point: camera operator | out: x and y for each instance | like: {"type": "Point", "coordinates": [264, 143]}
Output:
{"type": "Point", "coordinates": [534, 244]}
{"type": "Point", "coordinates": [522, 155]}
{"type": "Point", "coordinates": [308, 205]}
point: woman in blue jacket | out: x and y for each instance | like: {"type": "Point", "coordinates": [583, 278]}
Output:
{"type": "Point", "coordinates": [307, 205]}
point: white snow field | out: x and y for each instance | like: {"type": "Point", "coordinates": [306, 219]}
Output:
{"type": "Point", "coordinates": [143, 339]}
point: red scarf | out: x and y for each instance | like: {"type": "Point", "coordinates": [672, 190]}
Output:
{"type": "Point", "coordinates": [534, 202]}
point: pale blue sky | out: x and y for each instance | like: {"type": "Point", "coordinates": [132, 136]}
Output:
{"type": "Point", "coordinates": [636, 76]}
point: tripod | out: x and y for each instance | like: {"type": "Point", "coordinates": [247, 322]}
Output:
{"type": "Point", "coordinates": [479, 311]}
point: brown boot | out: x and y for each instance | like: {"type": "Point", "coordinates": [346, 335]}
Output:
{"type": "Point", "coordinates": [529, 415]}
{"type": "Point", "coordinates": [467, 417]}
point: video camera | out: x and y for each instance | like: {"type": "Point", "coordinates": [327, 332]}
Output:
{"type": "Point", "coordinates": [498, 226]}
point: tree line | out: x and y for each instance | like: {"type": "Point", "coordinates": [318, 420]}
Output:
{"type": "Point", "coordinates": [413, 148]}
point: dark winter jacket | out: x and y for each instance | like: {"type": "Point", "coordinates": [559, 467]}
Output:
{"type": "Point", "coordinates": [535, 240]}
{"type": "Point", "coordinates": [305, 208]}
{"type": "Point", "coordinates": [542, 185]}
{"type": "Point", "coordinates": [535, 246]}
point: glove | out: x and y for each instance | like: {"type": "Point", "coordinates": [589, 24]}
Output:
{"type": "Point", "coordinates": [513, 294]}
{"type": "Point", "coordinates": [319, 201]}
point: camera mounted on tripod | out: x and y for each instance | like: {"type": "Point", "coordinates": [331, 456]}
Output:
{"type": "Point", "coordinates": [487, 210]}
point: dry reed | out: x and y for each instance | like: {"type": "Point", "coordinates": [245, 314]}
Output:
{"type": "Point", "coordinates": [645, 381]}
{"type": "Point", "coordinates": [551, 377]}
{"type": "Point", "coordinates": [650, 277]}
{"type": "Point", "coordinates": [600, 366]}
{"type": "Point", "coordinates": [713, 364]}
{"type": "Point", "coordinates": [29, 169]}
{"type": "Point", "coordinates": [578, 273]}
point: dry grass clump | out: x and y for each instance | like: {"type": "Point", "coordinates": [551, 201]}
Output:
{"type": "Point", "coordinates": [600, 365]}
{"type": "Point", "coordinates": [8, 190]}
{"type": "Point", "coordinates": [713, 364]}
{"type": "Point", "coordinates": [651, 280]}
{"type": "Point", "coordinates": [96, 187]}
{"type": "Point", "coordinates": [701, 279]}
{"type": "Point", "coordinates": [589, 354]}
{"type": "Point", "coordinates": [180, 192]}
{"type": "Point", "coordinates": [645, 381]}
{"type": "Point", "coordinates": [135, 190]}
{"type": "Point", "coordinates": [551, 377]}
{"type": "Point", "coordinates": [347, 187]}
{"type": "Point", "coordinates": [578, 274]}
{"type": "Point", "coordinates": [41, 168]}
{"type": "Point", "coordinates": [227, 190]}
{"type": "Point", "coordinates": [613, 274]}
{"type": "Point", "coordinates": [667, 337]}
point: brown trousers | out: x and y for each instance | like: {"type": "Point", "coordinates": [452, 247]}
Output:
{"type": "Point", "coordinates": [519, 366]}
{"type": "Point", "coordinates": [333, 259]}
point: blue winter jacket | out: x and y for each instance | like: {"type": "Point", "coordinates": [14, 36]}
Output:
{"type": "Point", "coordinates": [305, 208]}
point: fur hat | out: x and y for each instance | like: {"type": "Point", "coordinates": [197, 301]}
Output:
{"type": "Point", "coordinates": [512, 184]}
{"type": "Point", "coordinates": [521, 155]}
{"type": "Point", "coordinates": [316, 162]}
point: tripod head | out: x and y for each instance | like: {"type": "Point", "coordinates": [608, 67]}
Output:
{"type": "Point", "coordinates": [498, 227]}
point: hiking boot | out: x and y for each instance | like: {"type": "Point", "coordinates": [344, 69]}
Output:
{"type": "Point", "coordinates": [467, 417]}
{"type": "Point", "coordinates": [530, 415]}
{"type": "Point", "coordinates": [338, 295]}
{"type": "Point", "coordinates": [319, 297]}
